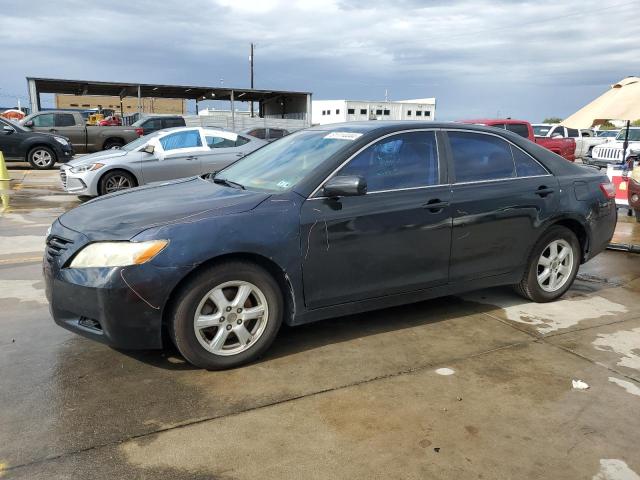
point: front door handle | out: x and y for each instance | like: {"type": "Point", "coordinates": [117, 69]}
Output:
{"type": "Point", "coordinates": [191, 158]}
{"type": "Point", "coordinates": [435, 205]}
{"type": "Point", "coordinates": [239, 154]}
{"type": "Point", "coordinates": [544, 191]}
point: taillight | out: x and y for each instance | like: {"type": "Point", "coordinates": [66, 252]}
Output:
{"type": "Point", "coordinates": [608, 189]}
{"type": "Point", "coordinates": [139, 131]}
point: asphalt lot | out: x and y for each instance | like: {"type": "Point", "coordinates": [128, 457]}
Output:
{"type": "Point", "coordinates": [476, 386]}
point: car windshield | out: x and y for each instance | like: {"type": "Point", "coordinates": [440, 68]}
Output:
{"type": "Point", "coordinates": [280, 165]}
{"type": "Point", "coordinates": [541, 130]}
{"type": "Point", "coordinates": [139, 142]}
{"type": "Point", "coordinates": [634, 135]}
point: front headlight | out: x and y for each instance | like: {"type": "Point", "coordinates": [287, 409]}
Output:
{"type": "Point", "coordinates": [61, 140]}
{"type": "Point", "coordinates": [87, 168]}
{"type": "Point", "coordinates": [117, 254]}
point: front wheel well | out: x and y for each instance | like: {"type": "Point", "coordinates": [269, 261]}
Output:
{"type": "Point", "coordinates": [267, 264]}
{"type": "Point", "coordinates": [580, 232]}
{"type": "Point", "coordinates": [124, 170]}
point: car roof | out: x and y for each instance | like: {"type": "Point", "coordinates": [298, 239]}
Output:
{"type": "Point", "coordinates": [377, 126]}
{"type": "Point", "coordinates": [492, 121]}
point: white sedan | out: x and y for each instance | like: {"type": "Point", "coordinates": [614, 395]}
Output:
{"type": "Point", "coordinates": [162, 155]}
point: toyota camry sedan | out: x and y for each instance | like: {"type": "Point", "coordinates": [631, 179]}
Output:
{"type": "Point", "coordinates": [163, 155]}
{"type": "Point", "coordinates": [328, 221]}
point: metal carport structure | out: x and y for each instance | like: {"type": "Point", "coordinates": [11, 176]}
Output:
{"type": "Point", "coordinates": [271, 103]}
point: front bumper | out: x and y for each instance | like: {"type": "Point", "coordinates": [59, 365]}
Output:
{"type": "Point", "coordinates": [82, 184]}
{"type": "Point", "coordinates": [121, 307]}
{"type": "Point", "coordinates": [64, 153]}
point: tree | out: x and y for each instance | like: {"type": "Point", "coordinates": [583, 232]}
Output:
{"type": "Point", "coordinates": [552, 120]}
{"type": "Point", "coordinates": [635, 123]}
{"type": "Point", "coordinates": [607, 126]}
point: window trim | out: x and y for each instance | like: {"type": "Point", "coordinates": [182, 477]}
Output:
{"type": "Point", "coordinates": [455, 182]}
{"type": "Point", "coordinates": [399, 132]}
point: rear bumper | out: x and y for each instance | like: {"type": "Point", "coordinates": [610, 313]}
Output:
{"type": "Point", "coordinates": [602, 228]}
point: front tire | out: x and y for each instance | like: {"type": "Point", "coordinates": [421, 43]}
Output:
{"type": "Point", "coordinates": [552, 266]}
{"type": "Point", "coordinates": [41, 158]}
{"type": "Point", "coordinates": [227, 315]}
{"type": "Point", "coordinates": [115, 181]}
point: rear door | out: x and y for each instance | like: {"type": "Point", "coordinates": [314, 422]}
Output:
{"type": "Point", "coordinates": [500, 194]}
{"type": "Point", "coordinates": [221, 151]}
{"type": "Point", "coordinates": [394, 239]}
{"type": "Point", "coordinates": [178, 156]}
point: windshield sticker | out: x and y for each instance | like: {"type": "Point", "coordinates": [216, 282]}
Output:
{"type": "Point", "coordinates": [343, 136]}
{"type": "Point", "coordinates": [283, 184]}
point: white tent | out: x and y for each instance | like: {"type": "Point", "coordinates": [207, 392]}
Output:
{"type": "Point", "coordinates": [620, 102]}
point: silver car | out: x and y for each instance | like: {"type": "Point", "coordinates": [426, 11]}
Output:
{"type": "Point", "coordinates": [163, 155]}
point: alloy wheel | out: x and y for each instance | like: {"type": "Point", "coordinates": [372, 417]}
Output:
{"type": "Point", "coordinates": [555, 265]}
{"type": "Point", "coordinates": [231, 318]}
{"type": "Point", "coordinates": [117, 182]}
{"type": "Point", "coordinates": [42, 158]}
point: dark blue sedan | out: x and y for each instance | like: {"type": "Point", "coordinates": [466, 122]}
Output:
{"type": "Point", "coordinates": [328, 221]}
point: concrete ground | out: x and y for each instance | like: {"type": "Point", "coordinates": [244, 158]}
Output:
{"type": "Point", "coordinates": [475, 386]}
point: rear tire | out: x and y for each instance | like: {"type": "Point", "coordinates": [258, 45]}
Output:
{"type": "Point", "coordinates": [637, 213]}
{"type": "Point", "coordinates": [552, 266]}
{"type": "Point", "coordinates": [112, 143]}
{"type": "Point", "coordinates": [41, 158]}
{"type": "Point", "coordinates": [215, 326]}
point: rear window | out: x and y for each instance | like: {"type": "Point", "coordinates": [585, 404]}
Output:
{"type": "Point", "coordinates": [174, 122]}
{"type": "Point", "coordinates": [519, 129]}
{"type": "Point", "coordinates": [259, 133]}
{"type": "Point", "coordinates": [480, 157]}
{"type": "Point", "coordinates": [64, 120]}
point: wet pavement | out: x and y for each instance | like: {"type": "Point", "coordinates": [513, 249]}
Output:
{"type": "Point", "coordinates": [471, 386]}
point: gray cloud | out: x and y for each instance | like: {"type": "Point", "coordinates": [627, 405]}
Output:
{"type": "Point", "coordinates": [527, 59]}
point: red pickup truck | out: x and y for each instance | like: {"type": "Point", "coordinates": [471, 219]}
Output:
{"type": "Point", "coordinates": [565, 147]}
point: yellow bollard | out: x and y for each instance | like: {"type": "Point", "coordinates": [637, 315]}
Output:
{"type": "Point", "coordinates": [4, 184]}
{"type": "Point", "coordinates": [4, 174]}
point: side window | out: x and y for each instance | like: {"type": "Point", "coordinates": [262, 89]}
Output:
{"type": "Point", "coordinates": [219, 142]}
{"type": "Point", "coordinates": [152, 124]}
{"type": "Point", "coordinates": [363, 111]}
{"type": "Point", "coordinates": [557, 131]}
{"type": "Point", "coordinates": [64, 120]}
{"type": "Point", "coordinates": [351, 111]}
{"type": "Point", "coordinates": [400, 161]}
{"type": "Point", "coordinates": [572, 133]}
{"type": "Point", "coordinates": [44, 120]}
{"type": "Point", "coordinates": [478, 156]}
{"type": "Point", "coordinates": [188, 139]}
{"type": "Point", "coordinates": [498, 125]}
{"type": "Point", "coordinates": [276, 133]}
{"type": "Point", "coordinates": [262, 132]}
{"type": "Point", "coordinates": [173, 122]}
{"type": "Point", "coordinates": [519, 129]}
{"type": "Point", "coordinates": [241, 141]}
{"type": "Point", "coordinates": [525, 165]}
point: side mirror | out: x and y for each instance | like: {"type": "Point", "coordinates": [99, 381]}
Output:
{"type": "Point", "coordinates": [28, 123]}
{"type": "Point", "coordinates": [148, 148]}
{"type": "Point", "coordinates": [7, 130]}
{"type": "Point", "coordinates": [345, 186]}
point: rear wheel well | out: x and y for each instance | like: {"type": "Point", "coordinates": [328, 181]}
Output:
{"type": "Point", "coordinates": [113, 141]}
{"type": "Point", "coordinates": [269, 265]}
{"type": "Point", "coordinates": [580, 232]}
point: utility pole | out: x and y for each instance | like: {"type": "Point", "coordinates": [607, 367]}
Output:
{"type": "Point", "coordinates": [251, 74]}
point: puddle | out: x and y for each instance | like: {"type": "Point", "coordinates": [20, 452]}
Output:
{"type": "Point", "coordinates": [612, 469]}
{"type": "Point", "coordinates": [23, 290]}
{"type": "Point", "coordinates": [625, 343]}
{"type": "Point", "coordinates": [549, 317]}
{"type": "Point", "coordinates": [630, 387]}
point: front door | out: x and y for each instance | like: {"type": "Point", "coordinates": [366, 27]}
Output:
{"type": "Point", "coordinates": [394, 239]}
{"type": "Point", "coordinates": [500, 196]}
{"type": "Point", "coordinates": [177, 156]}
{"type": "Point", "coordinates": [65, 125]}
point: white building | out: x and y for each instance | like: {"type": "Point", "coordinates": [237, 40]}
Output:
{"type": "Point", "coordinates": [335, 111]}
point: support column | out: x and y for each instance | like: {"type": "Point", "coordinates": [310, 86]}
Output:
{"type": "Point", "coordinates": [139, 101]}
{"type": "Point", "coordinates": [309, 110]}
{"type": "Point", "coordinates": [34, 96]}
{"type": "Point", "coordinates": [233, 113]}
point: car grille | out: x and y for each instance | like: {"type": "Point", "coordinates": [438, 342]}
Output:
{"type": "Point", "coordinates": [63, 177]}
{"type": "Point", "coordinates": [608, 154]}
{"type": "Point", "coordinates": [56, 246]}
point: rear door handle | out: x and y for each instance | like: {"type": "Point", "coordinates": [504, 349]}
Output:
{"type": "Point", "coordinates": [239, 154]}
{"type": "Point", "coordinates": [435, 205]}
{"type": "Point", "coordinates": [191, 158]}
{"type": "Point", "coordinates": [544, 191]}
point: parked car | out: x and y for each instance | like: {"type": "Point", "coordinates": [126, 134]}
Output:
{"type": "Point", "coordinates": [41, 150]}
{"type": "Point", "coordinates": [610, 135]}
{"type": "Point", "coordinates": [150, 124]}
{"type": "Point", "coordinates": [159, 156]}
{"type": "Point", "coordinates": [268, 134]}
{"type": "Point", "coordinates": [83, 138]}
{"type": "Point", "coordinates": [611, 152]}
{"type": "Point", "coordinates": [112, 120]}
{"type": "Point", "coordinates": [328, 221]}
{"type": "Point", "coordinates": [565, 147]}
{"type": "Point", "coordinates": [585, 139]}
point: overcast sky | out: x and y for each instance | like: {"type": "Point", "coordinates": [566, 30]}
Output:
{"type": "Point", "coordinates": [478, 58]}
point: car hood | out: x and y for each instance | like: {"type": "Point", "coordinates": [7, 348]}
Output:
{"type": "Point", "coordinates": [123, 215]}
{"type": "Point", "coordinates": [98, 157]}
